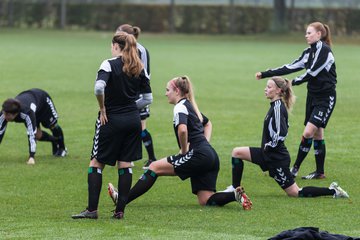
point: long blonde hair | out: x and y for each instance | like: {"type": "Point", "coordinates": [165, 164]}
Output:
{"type": "Point", "coordinates": [287, 94]}
{"type": "Point", "coordinates": [130, 57]}
{"type": "Point", "coordinates": [186, 89]}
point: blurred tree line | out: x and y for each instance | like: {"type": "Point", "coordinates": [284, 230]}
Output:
{"type": "Point", "coordinates": [230, 18]}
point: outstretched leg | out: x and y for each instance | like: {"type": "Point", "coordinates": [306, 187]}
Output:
{"type": "Point", "coordinates": [158, 168]}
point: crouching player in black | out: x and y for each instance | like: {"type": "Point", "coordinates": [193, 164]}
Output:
{"type": "Point", "coordinates": [197, 159]}
{"type": "Point", "coordinates": [273, 155]}
{"type": "Point", "coordinates": [33, 107]}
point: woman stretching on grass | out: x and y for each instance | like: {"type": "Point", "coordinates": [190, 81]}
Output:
{"type": "Point", "coordinates": [197, 159]}
{"type": "Point", "coordinates": [273, 155]}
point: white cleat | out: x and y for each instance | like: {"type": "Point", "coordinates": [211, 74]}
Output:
{"type": "Point", "coordinates": [242, 198]}
{"type": "Point", "coordinates": [31, 161]}
{"type": "Point", "coordinates": [339, 192]}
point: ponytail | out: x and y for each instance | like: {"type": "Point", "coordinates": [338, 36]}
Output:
{"type": "Point", "coordinates": [186, 89]}
{"type": "Point", "coordinates": [133, 30]}
{"type": "Point", "coordinates": [287, 94]}
{"type": "Point", "coordinates": [130, 57]}
{"type": "Point", "coordinates": [325, 32]}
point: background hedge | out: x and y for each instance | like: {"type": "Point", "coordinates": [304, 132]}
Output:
{"type": "Point", "coordinates": [185, 18]}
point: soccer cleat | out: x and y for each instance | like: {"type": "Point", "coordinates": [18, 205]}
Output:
{"type": "Point", "coordinates": [339, 192]}
{"type": "Point", "coordinates": [242, 198]}
{"type": "Point", "coordinates": [118, 215]}
{"type": "Point", "coordinates": [113, 193]}
{"type": "Point", "coordinates": [86, 214]}
{"type": "Point", "coordinates": [294, 171]}
{"type": "Point", "coordinates": [31, 161]}
{"type": "Point", "coordinates": [229, 189]}
{"type": "Point", "coordinates": [61, 152]}
{"type": "Point", "coordinates": [147, 164]}
{"type": "Point", "coordinates": [314, 175]}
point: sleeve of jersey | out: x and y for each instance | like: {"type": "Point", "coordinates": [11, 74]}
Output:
{"type": "Point", "coordinates": [148, 63]}
{"type": "Point", "coordinates": [3, 124]}
{"type": "Point", "coordinates": [180, 115]}
{"type": "Point", "coordinates": [104, 71]}
{"type": "Point", "coordinates": [205, 120]}
{"type": "Point", "coordinates": [295, 66]}
{"type": "Point", "coordinates": [31, 130]}
{"type": "Point", "coordinates": [145, 83]}
{"type": "Point", "coordinates": [323, 60]}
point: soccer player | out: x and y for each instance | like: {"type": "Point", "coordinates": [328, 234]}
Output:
{"type": "Point", "coordinates": [117, 130]}
{"type": "Point", "coordinates": [197, 159]}
{"type": "Point", "coordinates": [273, 155]}
{"type": "Point", "coordinates": [144, 112]}
{"type": "Point", "coordinates": [33, 107]}
{"type": "Point", "coordinates": [320, 75]}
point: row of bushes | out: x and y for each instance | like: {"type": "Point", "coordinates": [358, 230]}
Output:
{"type": "Point", "coordinates": [182, 19]}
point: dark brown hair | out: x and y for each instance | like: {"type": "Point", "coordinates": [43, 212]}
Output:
{"type": "Point", "coordinates": [133, 30]}
{"type": "Point", "coordinates": [11, 105]}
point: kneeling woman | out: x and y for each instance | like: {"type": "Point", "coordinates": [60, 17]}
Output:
{"type": "Point", "coordinates": [197, 159]}
{"type": "Point", "coordinates": [273, 155]}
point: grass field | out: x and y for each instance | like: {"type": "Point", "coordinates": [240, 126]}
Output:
{"type": "Point", "coordinates": [37, 201]}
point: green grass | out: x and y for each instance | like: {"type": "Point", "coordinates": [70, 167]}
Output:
{"type": "Point", "coordinates": [37, 201]}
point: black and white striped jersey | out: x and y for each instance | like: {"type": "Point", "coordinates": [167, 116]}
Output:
{"type": "Point", "coordinates": [320, 75]}
{"type": "Point", "coordinates": [121, 90]}
{"type": "Point", "coordinates": [184, 113]}
{"type": "Point", "coordinates": [33, 103]}
{"type": "Point", "coordinates": [275, 127]}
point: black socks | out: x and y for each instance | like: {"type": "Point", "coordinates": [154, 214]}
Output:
{"type": "Point", "coordinates": [237, 171]}
{"type": "Point", "coordinates": [147, 140]}
{"type": "Point", "coordinates": [315, 192]}
{"type": "Point", "coordinates": [220, 199]}
{"type": "Point", "coordinates": [320, 152]}
{"type": "Point", "coordinates": [124, 185]}
{"type": "Point", "coordinates": [143, 185]}
{"type": "Point", "coordinates": [58, 133]}
{"type": "Point", "coordinates": [94, 187]}
{"type": "Point", "coordinates": [304, 149]}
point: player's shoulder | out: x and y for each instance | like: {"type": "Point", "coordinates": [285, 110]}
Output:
{"type": "Point", "coordinates": [180, 107]}
{"type": "Point", "coordinates": [106, 64]}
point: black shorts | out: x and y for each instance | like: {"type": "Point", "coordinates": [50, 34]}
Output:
{"type": "Point", "coordinates": [319, 109]}
{"type": "Point", "coordinates": [48, 115]}
{"type": "Point", "coordinates": [280, 172]}
{"type": "Point", "coordinates": [145, 113]}
{"type": "Point", "coordinates": [118, 140]}
{"type": "Point", "coordinates": [201, 165]}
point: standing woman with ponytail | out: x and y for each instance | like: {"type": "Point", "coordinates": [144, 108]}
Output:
{"type": "Point", "coordinates": [320, 75]}
{"type": "Point", "coordinates": [117, 130]}
{"type": "Point", "coordinates": [273, 155]}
